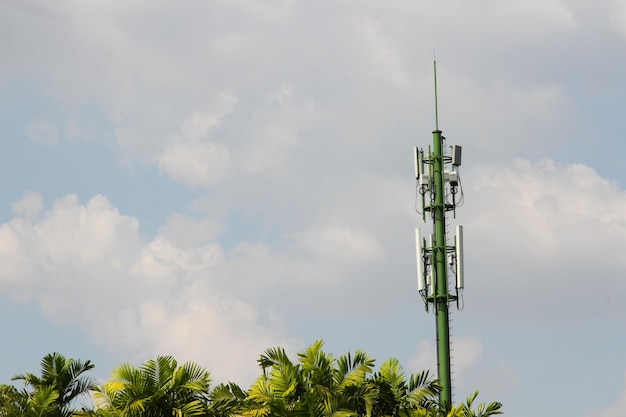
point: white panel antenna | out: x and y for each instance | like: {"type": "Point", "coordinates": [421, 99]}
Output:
{"type": "Point", "coordinates": [460, 279]}
{"type": "Point", "coordinates": [417, 163]}
{"type": "Point", "coordinates": [456, 155]}
{"type": "Point", "coordinates": [430, 280]}
{"type": "Point", "coordinates": [421, 278]}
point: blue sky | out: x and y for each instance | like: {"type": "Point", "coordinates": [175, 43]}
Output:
{"type": "Point", "coordinates": [209, 179]}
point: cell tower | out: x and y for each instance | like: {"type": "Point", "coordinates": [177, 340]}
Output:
{"type": "Point", "coordinates": [439, 186]}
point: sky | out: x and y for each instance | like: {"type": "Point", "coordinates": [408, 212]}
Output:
{"type": "Point", "coordinates": [209, 179]}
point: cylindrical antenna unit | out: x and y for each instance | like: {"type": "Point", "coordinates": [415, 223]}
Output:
{"type": "Point", "coordinates": [460, 280]}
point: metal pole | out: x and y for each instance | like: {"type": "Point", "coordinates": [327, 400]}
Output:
{"type": "Point", "coordinates": [441, 272]}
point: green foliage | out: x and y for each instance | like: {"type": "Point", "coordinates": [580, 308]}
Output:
{"type": "Point", "coordinates": [226, 400]}
{"type": "Point", "coordinates": [398, 396]}
{"type": "Point", "coordinates": [10, 399]}
{"type": "Point", "coordinates": [52, 394]}
{"type": "Point", "coordinates": [320, 385]}
{"type": "Point", "coordinates": [483, 409]}
{"type": "Point", "coordinates": [40, 403]}
{"type": "Point", "coordinates": [157, 388]}
{"type": "Point", "coordinates": [316, 384]}
{"type": "Point", "coordinates": [466, 409]}
{"type": "Point", "coordinates": [43, 402]}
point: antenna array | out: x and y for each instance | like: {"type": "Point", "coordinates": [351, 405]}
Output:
{"type": "Point", "coordinates": [439, 185]}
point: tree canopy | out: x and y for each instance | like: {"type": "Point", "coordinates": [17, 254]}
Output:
{"type": "Point", "coordinates": [314, 384]}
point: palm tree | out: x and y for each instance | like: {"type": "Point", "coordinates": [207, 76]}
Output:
{"type": "Point", "coordinates": [40, 403]}
{"type": "Point", "coordinates": [316, 386]}
{"type": "Point", "coordinates": [62, 378]}
{"type": "Point", "coordinates": [226, 400]}
{"type": "Point", "coordinates": [10, 399]}
{"type": "Point", "coordinates": [343, 384]}
{"type": "Point", "coordinates": [397, 397]}
{"type": "Point", "coordinates": [158, 388]}
{"type": "Point", "coordinates": [277, 391]}
{"type": "Point", "coordinates": [465, 409]}
{"type": "Point", "coordinates": [483, 409]}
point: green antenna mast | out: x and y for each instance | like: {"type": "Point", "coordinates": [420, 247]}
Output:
{"type": "Point", "coordinates": [441, 192]}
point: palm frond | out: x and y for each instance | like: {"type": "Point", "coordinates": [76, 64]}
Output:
{"type": "Point", "coordinates": [284, 380]}
{"type": "Point", "coordinates": [393, 373]}
{"type": "Point", "coordinates": [274, 357]}
{"type": "Point", "coordinates": [43, 400]}
{"type": "Point", "coordinates": [227, 391]}
{"type": "Point", "coordinates": [314, 357]}
{"type": "Point", "coordinates": [353, 370]}
{"type": "Point", "coordinates": [192, 408]}
{"type": "Point", "coordinates": [125, 372]}
{"type": "Point", "coordinates": [483, 409]}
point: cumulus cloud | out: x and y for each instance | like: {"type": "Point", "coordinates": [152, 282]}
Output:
{"type": "Point", "coordinates": [40, 131]}
{"type": "Point", "coordinates": [30, 206]}
{"type": "Point", "coordinates": [552, 200]}
{"type": "Point", "coordinates": [341, 242]}
{"type": "Point", "coordinates": [470, 370]}
{"type": "Point", "coordinates": [197, 105]}
{"type": "Point", "coordinates": [616, 410]}
{"type": "Point", "coordinates": [196, 163]}
{"type": "Point", "coordinates": [552, 221]}
{"type": "Point", "coordinates": [465, 353]}
{"type": "Point", "coordinates": [275, 131]}
{"type": "Point", "coordinates": [424, 358]}
{"type": "Point", "coordinates": [86, 264]}
{"type": "Point", "coordinates": [618, 17]}
{"type": "Point", "coordinates": [193, 157]}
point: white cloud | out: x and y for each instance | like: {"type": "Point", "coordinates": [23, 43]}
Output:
{"type": "Point", "coordinates": [360, 74]}
{"type": "Point", "coordinates": [185, 231]}
{"type": "Point", "coordinates": [82, 128]}
{"type": "Point", "coordinates": [538, 230]}
{"type": "Point", "coordinates": [470, 371]}
{"type": "Point", "coordinates": [275, 131]}
{"type": "Point", "coordinates": [29, 207]}
{"type": "Point", "coordinates": [40, 131]}
{"type": "Point", "coordinates": [193, 157]}
{"type": "Point", "coordinates": [196, 163]}
{"type": "Point", "coordinates": [540, 204]}
{"type": "Point", "coordinates": [425, 358]}
{"type": "Point", "coordinates": [547, 18]}
{"type": "Point", "coordinates": [199, 125]}
{"type": "Point", "coordinates": [341, 242]}
{"type": "Point", "coordinates": [465, 353]}
{"type": "Point", "coordinates": [510, 116]}
{"type": "Point", "coordinates": [617, 17]}
{"type": "Point", "coordinates": [497, 381]}
{"type": "Point", "coordinates": [161, 258]}
{"type": "Point", "coordinates": [616, 410]}
{"type": "Point", "coordinates": [137, 298]}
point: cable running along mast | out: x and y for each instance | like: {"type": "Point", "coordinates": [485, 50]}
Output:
{"type": "Point", "coordinates": [439, 186]}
